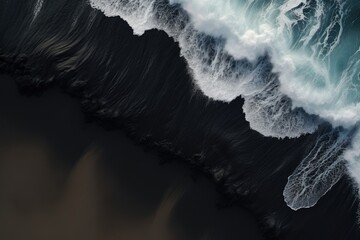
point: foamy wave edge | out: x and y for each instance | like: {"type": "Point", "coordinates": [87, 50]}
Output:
{"type": "Point", "coordinates": [221, 77]}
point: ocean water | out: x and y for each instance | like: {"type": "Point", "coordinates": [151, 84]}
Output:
{"type": "Point", "coordinates": [261, 95]}
{"type": "Point", "coordinates": [295, 62]}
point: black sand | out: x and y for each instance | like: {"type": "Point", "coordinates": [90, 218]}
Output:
{"type": "Point", "coordinates": [141, 85]}
{"type": "Point", "coordinates": [62, 178]}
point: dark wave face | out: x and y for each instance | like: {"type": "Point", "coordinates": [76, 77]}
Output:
{"type": "Point", "coordinates": [228, 111]}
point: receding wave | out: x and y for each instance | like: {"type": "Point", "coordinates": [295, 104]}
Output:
{"type": "Point", "coordinates": [295, 63]}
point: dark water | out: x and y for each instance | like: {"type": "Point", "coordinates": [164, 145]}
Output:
{"type": "Point", "coordinates": [141, 86]}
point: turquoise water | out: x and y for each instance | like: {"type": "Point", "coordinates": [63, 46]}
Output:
{"type": "Point", "coordinates": [313, 45]}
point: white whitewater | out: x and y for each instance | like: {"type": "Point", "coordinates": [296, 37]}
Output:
{"type": "Point", "coordinates": [295, 62]}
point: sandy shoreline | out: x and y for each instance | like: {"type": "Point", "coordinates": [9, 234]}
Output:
{"type": "Point", "coordinates": [62, 178]}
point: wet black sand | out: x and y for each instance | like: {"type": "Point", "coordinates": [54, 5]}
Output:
{"type": "Point", "coordinates": [63, 178]}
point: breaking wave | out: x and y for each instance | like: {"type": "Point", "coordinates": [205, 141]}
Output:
{"type": "Point", "coordinates": [294, 62]}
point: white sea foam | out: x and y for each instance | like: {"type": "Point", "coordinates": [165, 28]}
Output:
{"type": "Point", "coordinates": [352, 155]}
{"type": "Point", "coordinates": [216, 76]}
{"type": "Point", "coordinates": [314, 71]}
{"type": "Point", "coordinates": [321, 168]}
